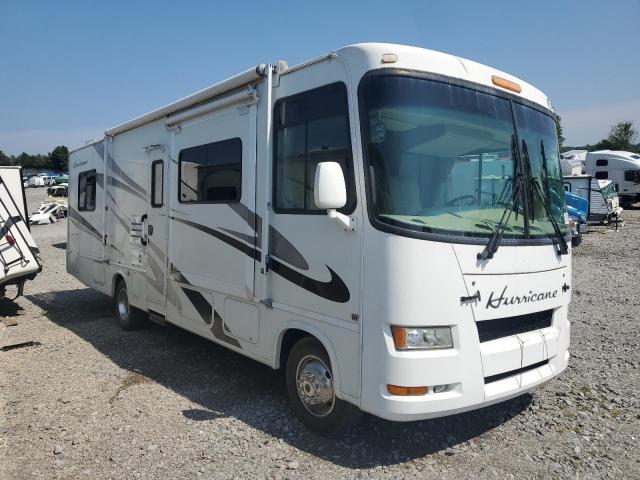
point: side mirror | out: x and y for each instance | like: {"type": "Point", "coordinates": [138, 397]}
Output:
{"type": "Point", "coordinates": [329, 189]}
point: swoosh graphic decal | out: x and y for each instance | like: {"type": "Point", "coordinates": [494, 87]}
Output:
{"type": "Point", "coordinates": [114, 182]}
{"type": "Point", "coordinates": [122, 221]}
{"type": "Point", "coordinates": [278, 245]}
{"type": "Point", "coordinates": [205, 310]}
{"type": "Point", "coordinates": [238, 245]}
{"type": "Point", "coordinates": [76, 217]}
{"type": "Point", "coordinates": [125, 178]}
{"type": "Point", "coordinates": [334, 290]}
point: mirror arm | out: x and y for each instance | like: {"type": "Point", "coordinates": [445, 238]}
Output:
{"type": "Point", "coordinates": [348, 223]}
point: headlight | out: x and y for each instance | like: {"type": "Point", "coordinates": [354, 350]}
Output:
{"type": "Point", "coordinates": [421, 338]}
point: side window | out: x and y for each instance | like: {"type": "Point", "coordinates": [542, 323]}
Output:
{"type": "Point", "coordinates": [602, 163]}
{"type": "Point", "coordinates": [87, 191]}
{"type": "Point", "coordinates": [602, 175]}
{"type": "Point", "coordinates": [632, 176]}
{"type": "Point", "coordinates": [309, 128]}
{"type": "Point", "coordinates": [157, 183]}
{"type": "Point", "coordinates": [211, 173]}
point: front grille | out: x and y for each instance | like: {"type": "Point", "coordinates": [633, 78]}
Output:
{"type": "Point", "coordinates": [504, 327]}
{"type": "Point", "coordinates": [511, 373]}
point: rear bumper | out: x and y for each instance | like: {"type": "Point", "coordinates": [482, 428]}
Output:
{"type": "Point", "coordinates": [476, 374]}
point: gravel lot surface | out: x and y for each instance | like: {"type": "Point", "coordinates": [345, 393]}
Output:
{"type": "Point", "coordinates": [92, 401]}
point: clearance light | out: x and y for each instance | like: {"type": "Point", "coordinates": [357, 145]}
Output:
{"type": "Point", "coordinates": [421, 338]}
{"type": "Point", "coordinates": [389, 58]}
{"type": "Point", "coordinates": [407, 391]}
{"type": "Point", "coordinates": [506, 84]}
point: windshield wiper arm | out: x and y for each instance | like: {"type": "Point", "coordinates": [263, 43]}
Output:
{"type": "Point", "coordinates": [563, 247]}
{"type": "Point", "coordinates": [496, 237]}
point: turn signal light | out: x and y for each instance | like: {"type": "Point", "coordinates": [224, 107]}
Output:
{"type": "Point", "coordinates": [407, 391]}
{"type": "Point", "coordinates": [506, 84]}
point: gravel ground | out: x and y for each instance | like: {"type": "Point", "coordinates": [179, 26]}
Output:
{"type": "Point", "coordinates": [92, 401]}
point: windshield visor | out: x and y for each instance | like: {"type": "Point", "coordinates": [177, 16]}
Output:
{"type": "Point", "coordinates": [443, 159]}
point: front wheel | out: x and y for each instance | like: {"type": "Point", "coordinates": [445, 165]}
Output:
{"type": "Point", "coordinates": [129, 318]}
{"type": "Point", "coordinates": [311, 390]}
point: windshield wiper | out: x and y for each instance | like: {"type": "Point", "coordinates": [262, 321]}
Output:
{"type": "Point", "coordinates": [496, 237]}
{"type": "Point", "coordinates": [563, 248]}
{"type": "Point", "coordinates": [537, 188]}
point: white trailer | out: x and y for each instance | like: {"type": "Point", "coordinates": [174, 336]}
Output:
{"type": "Point", "coordinates": [341, 219]}
{"type": "Point", "coordinates": [604, 203]}
{"type": "Point", "coordinates": [19, 255]}
{"type": "Point", "coordinates": [622, 168]}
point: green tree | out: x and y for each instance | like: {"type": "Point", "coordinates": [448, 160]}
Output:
{"type": "Point", "coordinates": [59, 158]}
{"type": "Point", "coordinates": [4, 160]}
{"type": "Point", "coordinates": [559, 130]}
{"type": "Point", "coordinates": [622, 135]}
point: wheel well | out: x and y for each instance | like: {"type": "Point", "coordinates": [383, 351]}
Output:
{"type": "Point", "coordinates": [289, 339]}
{"type": "Point", "coordinates": [116, 279]}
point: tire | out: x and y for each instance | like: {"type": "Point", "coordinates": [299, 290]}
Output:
{"type": "Point", "coordinates": [128, 317]}
{"type": "Point", "coordinates": [328, 417]}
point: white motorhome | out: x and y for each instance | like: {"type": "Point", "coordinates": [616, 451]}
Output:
{"type": "Point", "coordinates": [385, 222]}
{"type": "Point", "coordinates": [622, 168]}
{"type": "Point", "coordinates": [19, 255]}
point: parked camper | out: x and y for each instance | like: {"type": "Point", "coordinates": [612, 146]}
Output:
{"type": "Point", "coordinates": [36, 181]}
{"type": "Point", "coordinates": [359, 220]}
{"type": "Point", "coordinates": [621, 168]}
{"type": "Point", "coordinates": [603, 201]}
{"type": "Point", "coordinates": [572, 162]}
{"type": "Point", "coordinates": [19, 255]}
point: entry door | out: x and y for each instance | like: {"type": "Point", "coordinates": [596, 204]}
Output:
{"type": "Point", "coordinates": [212, 246]}
{"type": "Point", "coordinates": [314, 263]}
{"type": "Point", "coordinates": [156, 235]}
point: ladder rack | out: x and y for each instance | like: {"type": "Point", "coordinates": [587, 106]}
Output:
{"type": "Point", "coordinates": [5, 229]}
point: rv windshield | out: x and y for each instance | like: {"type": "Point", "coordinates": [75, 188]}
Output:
{"type": "Point", "coordinates": [443, 159]}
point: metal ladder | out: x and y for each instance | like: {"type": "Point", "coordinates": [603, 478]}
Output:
{"type": "Point", "coordinates": [5, 227]}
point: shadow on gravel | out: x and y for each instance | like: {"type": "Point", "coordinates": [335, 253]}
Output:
{"type": "Point", "coordinates": [61, 245]}
{"type": "Point", "coordinates": [9, 308]}
{"type": "Point", "coordinates": [222, 383]}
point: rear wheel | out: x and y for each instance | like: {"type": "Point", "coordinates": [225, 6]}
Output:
{"type": "Point", "coordinates": [129, 318]}
{"type": "Point", "coordinates": [311, 390]}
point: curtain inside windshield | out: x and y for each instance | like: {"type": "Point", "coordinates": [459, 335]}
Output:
{"type": "Point", "coordinates": [441, 157]}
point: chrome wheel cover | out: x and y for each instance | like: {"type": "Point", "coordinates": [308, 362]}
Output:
{"type": "Point", "coordinates": [315, 386]}
{"type": "Point", "coordinates": [123, 304]}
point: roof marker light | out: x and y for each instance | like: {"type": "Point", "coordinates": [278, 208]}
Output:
{"type": "Point", "coordinates": [506, 84]}
{"type": "Point", "coordinates": [389, 58]}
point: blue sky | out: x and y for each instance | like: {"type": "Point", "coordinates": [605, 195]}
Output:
{"type": "Point", "coordinates": [71, 69]}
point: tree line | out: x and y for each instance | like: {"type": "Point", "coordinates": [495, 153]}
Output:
{"type": "Point", "coordinates": [622, 136]}
{"type": "Point", "coordinates": [57, 160]}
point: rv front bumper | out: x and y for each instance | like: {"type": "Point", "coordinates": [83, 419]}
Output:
{"type": "Point", "coordinates": [471, 375]}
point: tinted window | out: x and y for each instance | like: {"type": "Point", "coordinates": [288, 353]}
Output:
{"type": "Point", "coordinates": [211, 173]}
{"type": "Point", "coordinates": [602, 175]}
{"type": "Point", "coordinates": [602, 163]}
{"type": "Point", "coordinates": [157, 183]}
{"type": "Point", "coordinates": [632, 176]}
{"type": "Point", "coordinates": [310, 128]}
{"type": "Point", "coordinates": [87, 191]}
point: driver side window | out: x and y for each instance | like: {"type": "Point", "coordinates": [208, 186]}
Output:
{"type": "Point", "coordinates": [309, 128]}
